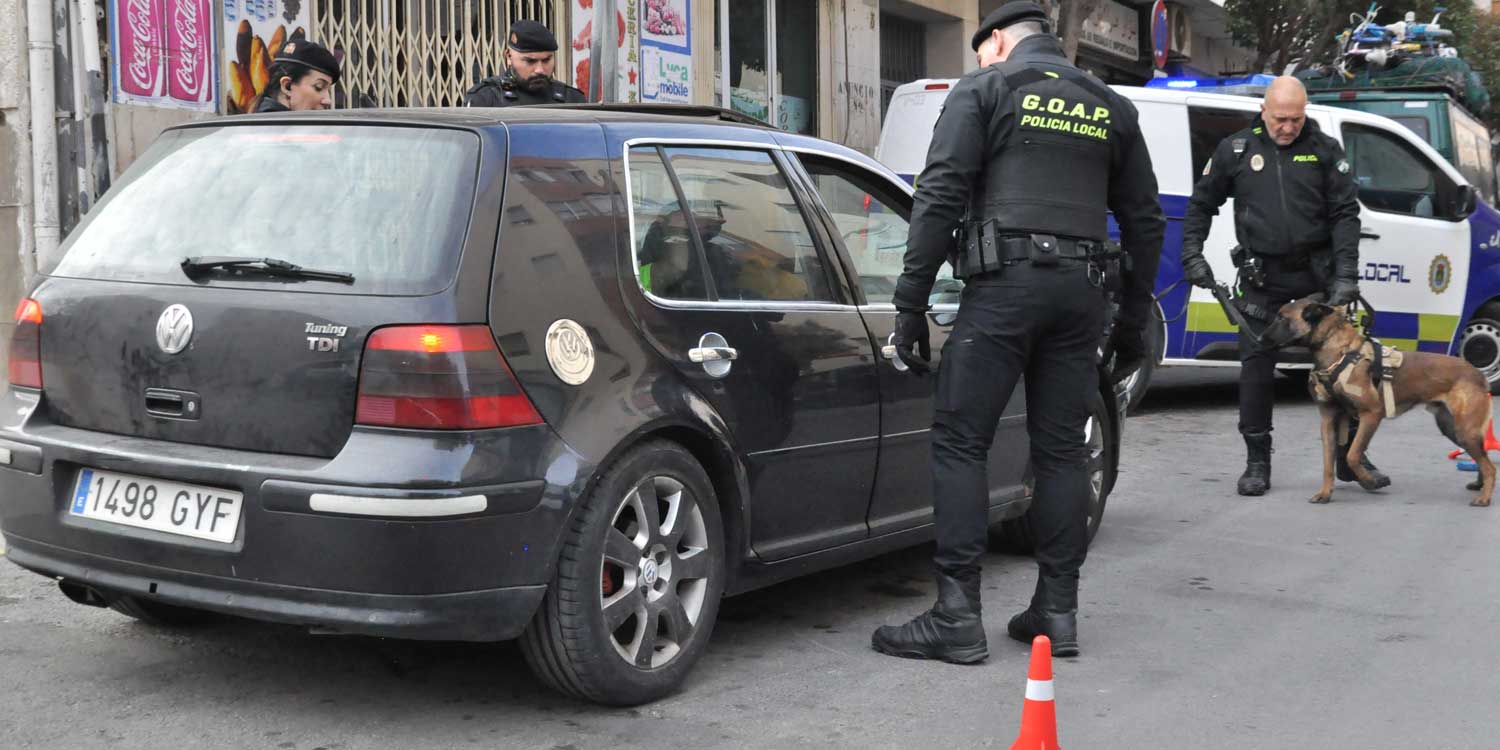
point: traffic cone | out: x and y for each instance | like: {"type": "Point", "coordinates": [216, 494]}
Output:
{"type": "Point", "coordinates": [1490, 443]}
{"type": "Point", "coordinates": [1039, 716]}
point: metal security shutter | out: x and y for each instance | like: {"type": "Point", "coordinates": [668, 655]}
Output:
{"type": "Point", "coordinates": [903, 55]}
{"type": "Point", "coordinates": [419, 53]}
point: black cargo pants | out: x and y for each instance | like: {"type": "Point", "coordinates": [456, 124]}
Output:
{"type": "Point", "coordinates": [1257, 363]}
{"type": "Point", "coordinates": [1044, 323]}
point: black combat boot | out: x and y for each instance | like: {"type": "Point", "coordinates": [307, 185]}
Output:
{"type": "Point", "coordinates": [951, 631]}
{"type": "Point", "coordinates": [1053, 613]}
{"type": "Point", "coordinates": [1346, 474]}
{"type": "Point", "coordinates": [1257, 477]}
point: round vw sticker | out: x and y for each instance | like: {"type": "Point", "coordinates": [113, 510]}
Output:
{"type": "Point", "coordinates": [1439, 274]}
{"type": "Point", "coordinates": [570, 352]}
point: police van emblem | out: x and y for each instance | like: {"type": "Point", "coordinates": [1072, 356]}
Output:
{"type": "Point", "coordinates": [1343, 166]}
{"type": "Point", "coordinates": [570, 352]}
{"type": "Point", "coordinates": [1439, 274]}
{"type": "Point", "coordinates": [1257, 162]}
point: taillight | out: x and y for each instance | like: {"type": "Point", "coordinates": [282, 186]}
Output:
{"type": "Point", "coordinates": [26, 345]}
{"type": "Point", "coordinates": [439, 378]}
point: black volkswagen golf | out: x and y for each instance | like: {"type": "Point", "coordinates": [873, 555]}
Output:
{"type": "Point", "coordinates": [567, 375]}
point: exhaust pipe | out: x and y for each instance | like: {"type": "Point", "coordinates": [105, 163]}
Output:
{"type": "Point", "coordinates": [82, 594]}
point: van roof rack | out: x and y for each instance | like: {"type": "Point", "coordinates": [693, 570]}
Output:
{"type": "Point", "coordinates": [671, 110]}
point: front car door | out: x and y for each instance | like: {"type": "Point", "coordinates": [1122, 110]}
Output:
{"type": "Point", "coordinates": [739, 294]}
{"type": "Point", "coordinates": [1414, 254]}
{"type": "Point", "coordinates": [869, 211]}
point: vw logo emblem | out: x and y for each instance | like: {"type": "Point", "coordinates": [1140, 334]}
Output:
{"type": "Point", "coordinates": [649, 572]}
{"type": "Point", "coordinates": [174, 329]}
{"type": "Point", "coordinates": [570, 352]}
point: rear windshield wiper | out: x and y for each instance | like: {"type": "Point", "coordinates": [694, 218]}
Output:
{"type": "Point", "coordinates": [268, 266]}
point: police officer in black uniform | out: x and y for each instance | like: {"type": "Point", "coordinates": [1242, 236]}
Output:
{"type": "Point", "coordinates": [1296, 217]}
{"type": "Point", "coordinates": [1028, 156]}
{"type": "Point", "coordinates": [530, 58]}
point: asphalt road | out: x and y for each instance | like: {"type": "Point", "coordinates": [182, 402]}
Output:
{"type": "Point", "coordinates": [1210, 621]}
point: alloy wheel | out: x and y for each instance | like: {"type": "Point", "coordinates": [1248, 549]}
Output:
{"type": "Point", "coordinates": [654, 572]}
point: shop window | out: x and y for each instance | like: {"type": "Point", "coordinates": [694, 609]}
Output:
{"type": "Point", "coordinates": [790, 98]}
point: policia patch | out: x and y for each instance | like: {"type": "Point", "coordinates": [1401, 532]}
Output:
{"type": "Point", "coordinates": [1060, 114]}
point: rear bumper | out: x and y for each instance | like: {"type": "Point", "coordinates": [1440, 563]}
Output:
{"type": "Point", "coordinates": [488, 615]}
{"type": "Point", "coordinates": [345, 543]}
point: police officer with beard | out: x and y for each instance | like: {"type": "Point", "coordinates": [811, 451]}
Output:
{"type": "Point", "coordinates": [1296, 217]}
{"type": "Point", "coordinates": [1039, 152]}
{"type": "Point", "coordinates": [530, 58]}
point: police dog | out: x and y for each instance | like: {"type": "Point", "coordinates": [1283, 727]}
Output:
{"type": "Point", "coordinates": [1450, 388]}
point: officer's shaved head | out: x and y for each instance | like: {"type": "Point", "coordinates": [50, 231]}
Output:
{"type": "Point", "coordinates": [1284, 111]}
{"type": "Point", "coordinates": [998, 46]}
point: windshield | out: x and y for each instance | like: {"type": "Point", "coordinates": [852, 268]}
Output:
{"type": "Point", "coordinates": [387, 204]}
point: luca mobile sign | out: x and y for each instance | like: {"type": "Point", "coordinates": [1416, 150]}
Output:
{"type": "Point", "coordinates": [666, 51]}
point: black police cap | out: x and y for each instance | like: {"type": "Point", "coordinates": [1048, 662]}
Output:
{"type": "Point", "coordinates": [309, 55]}
{"type": "Point", "coordinates": [1012, 12]}
{"type": "Point", "coordinates": [530, 36]}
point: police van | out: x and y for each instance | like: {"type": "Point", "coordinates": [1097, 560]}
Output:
{"type": "Point", "coordinates": [1429, 253]}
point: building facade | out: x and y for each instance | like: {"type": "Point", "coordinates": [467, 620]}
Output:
{"type": "Point", "coordinates": [103, 78]}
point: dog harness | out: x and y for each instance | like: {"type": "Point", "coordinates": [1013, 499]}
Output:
{"type": "Point", "coordinates": [1381, 358]}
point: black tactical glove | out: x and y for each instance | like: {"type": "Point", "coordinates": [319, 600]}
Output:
{"type": "Point", "coordinates": [1129, 345]}
{"type": "Point", "coordinates": [912, 339]}
{"type": "Point", "coordinates": [1195, 269]}
{"type": "Point", "coordinates": [1343, 292]}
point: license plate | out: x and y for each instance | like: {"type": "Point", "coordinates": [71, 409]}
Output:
{"type": "Point", "coordinates": [183, 509]}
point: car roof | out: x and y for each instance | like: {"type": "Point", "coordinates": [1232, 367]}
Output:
{"type": "Point", "coordinates": [478, 117]}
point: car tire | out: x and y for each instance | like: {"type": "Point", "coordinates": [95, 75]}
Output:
{"type": "Point", "coordinates": [158, 613]}
{"type": "Point", "coordinates": [1017, 534]}
{"type": "Point", "coordinates": [673, 600]}
{"type": "Point", "coordinates": [1480, 344]}
{"type": "Point", "coordinates": [1134, 388]}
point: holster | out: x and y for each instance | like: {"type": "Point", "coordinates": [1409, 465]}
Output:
{"type": "Point", "coordinates": [978, 250]}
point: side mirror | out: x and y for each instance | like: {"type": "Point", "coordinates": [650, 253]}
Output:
{"type": "Point", "coordinates": [1468, 200]}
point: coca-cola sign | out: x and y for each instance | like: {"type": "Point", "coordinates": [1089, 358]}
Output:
{"type": "Point", "coordinates": [190, 38]}
{"type": "Point", "coordinates": [139, 28]}
{"type": "Point", "coordinates": [164, 53]}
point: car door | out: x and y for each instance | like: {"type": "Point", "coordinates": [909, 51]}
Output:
{"type": "Point", "coordinates": [1414, 250]}
{"type": "Point", "coordinates": [738, 293]}
{"type": "Point", "coordinates": [869, 213]}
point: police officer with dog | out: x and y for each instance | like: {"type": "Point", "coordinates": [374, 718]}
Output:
{"type": "Point", "coordinates": [530, 58]}
{"type": "Point", "coordinates": [1027, 158]}
{"type": "Point", "coordinates": [1296, 218]}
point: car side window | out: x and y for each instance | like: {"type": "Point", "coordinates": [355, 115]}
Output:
{"type": "Point", "coordinates": [1394, 177]}
{"type": "Point", "coordinates": [667, 262]}
{"type": "Point", "coordinates": [1207, 127]}
{"type": "Point", "coordinates": [872, 219]}
{"type": "Point", "coordinates": [756, 242]}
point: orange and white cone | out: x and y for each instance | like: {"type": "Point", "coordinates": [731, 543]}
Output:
{"type": "Point", "coordinates": [1039, 716]}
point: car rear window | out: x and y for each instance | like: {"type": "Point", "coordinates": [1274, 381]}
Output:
{"type": "Point", "coordinates": [389, 205]}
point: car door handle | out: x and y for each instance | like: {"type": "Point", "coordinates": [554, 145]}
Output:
{"type": "Point", "coordinates": [715, 354]}
{"type": "Point", "coordinates": [701, 354]}
{"type": "Point", "coordinates": [889, 352]}
{"type": "Point", "coordinates": [1369, 236]}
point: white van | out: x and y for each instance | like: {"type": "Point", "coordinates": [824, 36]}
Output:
{"type": "Point", "coordinates": [1430, 254]}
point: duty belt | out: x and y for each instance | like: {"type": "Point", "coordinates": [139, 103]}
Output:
{"type": "Point", "coordinates": [985, 250]}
